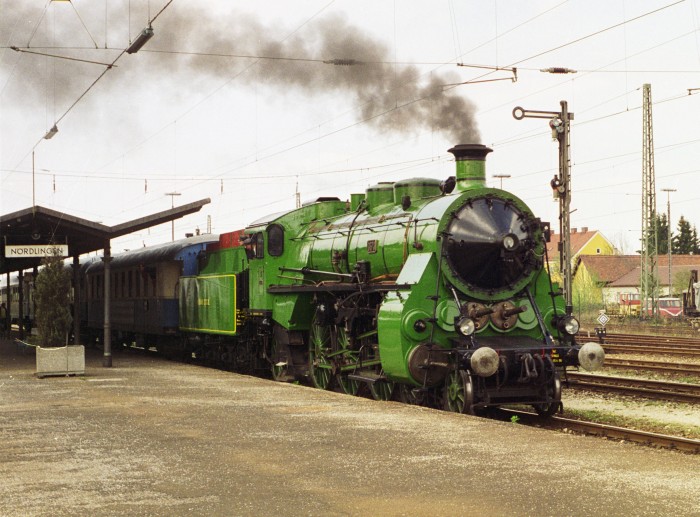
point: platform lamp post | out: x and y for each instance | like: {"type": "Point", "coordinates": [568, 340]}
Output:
{"type": "Point", "coordinates": [172, 205]}
{"type": "Point", "coordinates": [668, 218]}
{"type": "Point", "coordinates": [501, 177]}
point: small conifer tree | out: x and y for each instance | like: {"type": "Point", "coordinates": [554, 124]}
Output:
{"type": "Point", "coordinates": [52, 298]}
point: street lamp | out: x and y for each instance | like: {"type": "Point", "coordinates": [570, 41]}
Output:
{"type": "Point", "coordinates": [668, 217]}
{"type": "Point", "coordinates": [172, 205]}
{"type": "Point", "coordinates": [501, 177]}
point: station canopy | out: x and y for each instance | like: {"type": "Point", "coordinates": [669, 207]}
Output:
{"type": "Point", "coordinates": [37, 226]}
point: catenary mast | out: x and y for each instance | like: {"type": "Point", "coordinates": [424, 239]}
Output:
{"type": "Point", "coordinates": [649, 274]}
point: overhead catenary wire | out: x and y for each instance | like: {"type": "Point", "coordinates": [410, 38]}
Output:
{"type": "Point", "coordinates": [68, 58]}
{"type": "Point", "coordinates": [139, 176]}
{"type": "Point", "coordinates": [596, 33]}
{"type": "Point", "coordinates": [474, 80]}
{"type": "Point", "coordinates": [408, 103]}
{"type": "Point", "coordinates": [108, 67]}
{"type": "Point", "coordinates": [306, 22]}
{"type": "Point", "coordinates": [577, 114]}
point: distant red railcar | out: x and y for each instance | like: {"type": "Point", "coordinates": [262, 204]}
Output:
{"type": "Point", "coordinates": [669, 307]}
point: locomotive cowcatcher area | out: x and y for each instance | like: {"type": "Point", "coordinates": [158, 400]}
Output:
{"type": "Point", "coordinates": [154, 437]}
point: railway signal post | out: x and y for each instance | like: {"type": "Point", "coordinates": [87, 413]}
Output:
{"type": "Point", "coordinates": [561, 185]}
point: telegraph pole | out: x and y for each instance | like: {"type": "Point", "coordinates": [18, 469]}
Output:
{"type": "Point", "coordinates": [668, 218]}
{"type": "Point", "coordinates": [172, 205]}
{"type": "Point", "coordinates": [501, 177]}
{"type": "Point", "coordinates": [561, 185]}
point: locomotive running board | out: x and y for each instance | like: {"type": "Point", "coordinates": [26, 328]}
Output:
{"type": "Point", "coordinates": [336, 288]}
{"type": "Point", "coordinates": [369, 378]}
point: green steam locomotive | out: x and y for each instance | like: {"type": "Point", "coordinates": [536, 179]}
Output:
{"type": "Point", "coordinates": [428, 291]}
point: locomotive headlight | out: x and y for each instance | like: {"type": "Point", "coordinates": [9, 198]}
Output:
{"type": "Point", "coordinates": [465, 326]}
{"type": "Point", "coordinates": [510, 242]}
{"type": "Point", "coordinates": [569, 325]}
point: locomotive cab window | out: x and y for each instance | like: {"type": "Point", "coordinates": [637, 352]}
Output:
{"type": "Point", "coordinates": [275, 240]}
{"type": "Point", "coordinates": [259, 245]}
{"type": "Point", "coordinates": [254, 246]}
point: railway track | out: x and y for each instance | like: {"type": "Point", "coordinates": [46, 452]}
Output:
{"type": "Point", "coordinates": [661, 390]}
{"type": "Point", "coordinates": [653, 338]}
{"type": "Point", "coordinates": [657, 366]}
{"type": "Point", "coordinates": [642, 349]}
{"type": "Point", "coordinates": [647, 344]}
{"type": "Point", "coordinates": [678, 443]}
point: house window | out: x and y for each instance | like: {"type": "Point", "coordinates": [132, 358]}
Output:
{"type": "Point", "coordinates": [597, 251]}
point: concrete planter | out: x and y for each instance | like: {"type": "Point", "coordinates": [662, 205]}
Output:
{"type": "Point", "coordinates": [66, 360]}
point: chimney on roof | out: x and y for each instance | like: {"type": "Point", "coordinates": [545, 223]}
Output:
{"type": "Point", "coordinates": [573, 230]}
{"type": "Point", "coordinates": [584, 229]}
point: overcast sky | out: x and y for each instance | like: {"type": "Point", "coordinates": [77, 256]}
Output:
{"type": "Point", "coordinates": [232, 100]}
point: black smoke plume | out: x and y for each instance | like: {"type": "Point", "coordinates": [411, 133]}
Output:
{"type": "Point", "coordinates": [328, 55]}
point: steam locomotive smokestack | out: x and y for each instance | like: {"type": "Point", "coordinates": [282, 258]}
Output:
{"type": "Point", "coordinates": [471, 165]}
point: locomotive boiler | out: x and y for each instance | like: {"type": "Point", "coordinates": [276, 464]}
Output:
{"type": "Point", "coordinates": [432, 291]}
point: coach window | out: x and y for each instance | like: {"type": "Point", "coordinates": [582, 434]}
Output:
{"type": "Point", "coordinates": [275, 240]}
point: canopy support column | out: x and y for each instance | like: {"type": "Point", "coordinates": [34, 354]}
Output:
{"type": "Point", "coordinates": [76, 300]}
{"type": "Point", "coordinates": [107, 354]}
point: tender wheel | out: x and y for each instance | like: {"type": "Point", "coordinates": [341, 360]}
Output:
{"type": "Point", "coordinates": [320, 368]}
{"type": "Point", "coordinates": [459, 393]}
{"type": "Point", "coordinates": [381, 390]}
{"type": "Point", "coordinates": [280, 364]}
{"type": "Point", "coordinates": [554, 391]}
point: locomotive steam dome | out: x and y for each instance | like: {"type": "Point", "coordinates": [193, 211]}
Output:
{"type": "Point", "coordinates": [491, 238]}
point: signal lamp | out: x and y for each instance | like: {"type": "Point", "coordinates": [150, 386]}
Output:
{"type": "Point", "coordinates": [568, 325]}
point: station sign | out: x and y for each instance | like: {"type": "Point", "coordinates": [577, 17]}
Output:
{"type": "Point", "coordinates": [36, 250]}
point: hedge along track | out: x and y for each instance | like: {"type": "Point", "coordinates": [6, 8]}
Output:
{"type": "Point", "coordinates": [678, 443]}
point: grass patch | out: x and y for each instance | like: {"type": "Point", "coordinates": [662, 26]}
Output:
{"type": "Point", "coordinates": [642, 424]}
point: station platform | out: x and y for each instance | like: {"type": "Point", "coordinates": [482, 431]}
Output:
{"type": "Point", "coordinates": [153, 437]}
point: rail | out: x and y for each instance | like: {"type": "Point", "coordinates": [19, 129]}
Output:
{"type": "Point", "coordinates": [678, 443]}
{"type": "Point", "coordinates": [660, 390]}
{"type": "Point", "coordinates": [658, 366]}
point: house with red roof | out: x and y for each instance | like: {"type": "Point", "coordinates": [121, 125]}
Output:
{"type": "Point", "coordinates": [583, 242]}
{"type": "Point", "coordinates": [620, 274]}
